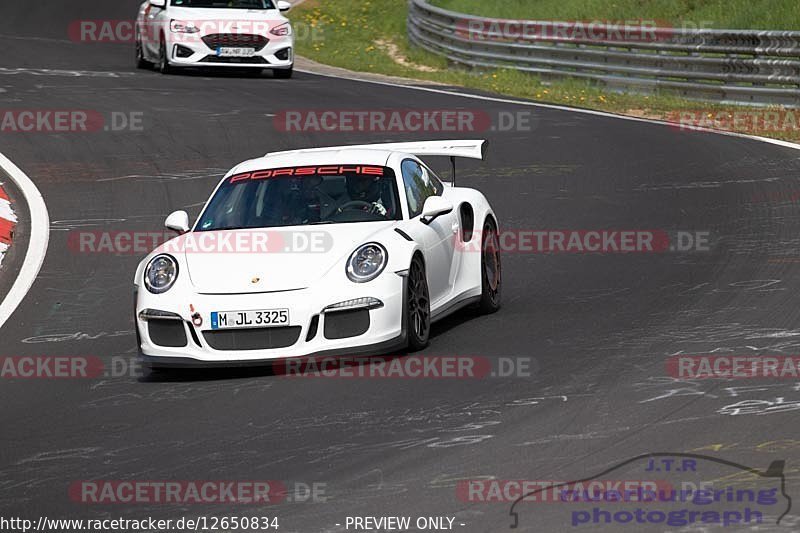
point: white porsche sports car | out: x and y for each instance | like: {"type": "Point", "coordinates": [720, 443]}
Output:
{"type": "Point", "coordinates": [329, 251]}
{"type": "Point", "coordinates": [251, 34]}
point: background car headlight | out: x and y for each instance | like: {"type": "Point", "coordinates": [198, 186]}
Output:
{"type": "Point", "coordinates": [160, 274]}
{"type": "Point", "coordinates": [282, 30]}
{"type": "Point", "coordinates": [367, 262]}
{"type": "Point", "coordinates": [179, 26]}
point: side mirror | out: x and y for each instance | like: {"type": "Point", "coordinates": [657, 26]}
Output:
{"type": "Point", "coordinates": [158, 3]}
{"type": "Point", "coordinates": [283, 5]}
{"type": "Point", "coordinates": [435, 206]}
{"type": "Point", "coordinates": [178, 221]}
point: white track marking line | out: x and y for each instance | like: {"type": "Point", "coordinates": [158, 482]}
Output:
{"type": "Point", "coordinates": [37, 244]}
{"type": "Point", "coordinates": [785, 144]}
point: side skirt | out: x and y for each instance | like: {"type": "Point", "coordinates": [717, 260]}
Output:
{"type": "Point", "coordinates": [459, 302]}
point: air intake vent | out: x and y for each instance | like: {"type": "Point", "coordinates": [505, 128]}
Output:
{"type": "Point", "coordinates": [252, 339]}
{"type": "Point", "coordinates": [167, 333]}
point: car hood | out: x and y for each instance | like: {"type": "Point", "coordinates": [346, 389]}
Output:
{"type": "Point", "coordinates": [270, 260]}
{"type": "Point", "coordinates": [213, 14]}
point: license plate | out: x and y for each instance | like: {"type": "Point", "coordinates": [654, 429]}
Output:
{"type": "Point", "coordinates": [235, 52]}
{"type": "Point", "coordinates": [249, 319]}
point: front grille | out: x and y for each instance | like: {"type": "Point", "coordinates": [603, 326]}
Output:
{"type": "Point", "coordinates": [167, 333]}
{"type": "Point", "coordinates": [252, 339]}
{"type": "Point", "coordinates": [239, 40]}
{"type": "Point", "coordinates": [344, 324]}
{"type": "Point", "coordinates": [255, 60]}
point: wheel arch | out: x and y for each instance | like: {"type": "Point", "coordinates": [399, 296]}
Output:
{"type": "Point", "coordinates": [490, 217]}
{"type": "Point", "coordinates": [402, 248]}
{"type": "Point", "coordinates": [470, 271]}
{"type": "Point", "coordinates": [418, 253]}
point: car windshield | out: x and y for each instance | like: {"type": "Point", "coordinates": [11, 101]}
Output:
{"type": "Point", "coordinates": [225, 4]}
{"type": "Point", "coordinates": [300, 196]}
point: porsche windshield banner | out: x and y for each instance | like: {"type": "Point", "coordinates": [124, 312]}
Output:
{"type": "Point", "coordinates": [327, 170]}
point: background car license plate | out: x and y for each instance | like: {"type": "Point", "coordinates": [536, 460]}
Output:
{"type": "Point", "coordinates": [235, 52]}
{"type": "Point", "coordinates": [249, 319]}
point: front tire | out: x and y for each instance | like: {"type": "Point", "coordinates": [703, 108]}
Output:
{"type": "Point", "coordinates": [491, 270]}
{"type": "Point", "coordinates": [418, 306]}
{"type": "Point", "coordinates": [163, 61]}
{"type": "Point", "coordinates": [141, 62]}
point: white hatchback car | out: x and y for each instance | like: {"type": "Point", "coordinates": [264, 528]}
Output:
{"type": "Point", "coordinates": [343, 250]}
{"type": "Point", "coordinates": [251, 34]}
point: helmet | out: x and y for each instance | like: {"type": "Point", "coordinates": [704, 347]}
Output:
{"type": "Point", "coordinates": [363, 188]}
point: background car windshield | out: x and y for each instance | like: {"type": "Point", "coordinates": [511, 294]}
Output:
{"type": "Point", "coordinates": [222, 4]}
{"type": "Point", "coordinates": [302, 200]}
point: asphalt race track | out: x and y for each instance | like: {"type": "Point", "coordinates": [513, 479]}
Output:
{"type": "Point", "coordinates": [599, 327]}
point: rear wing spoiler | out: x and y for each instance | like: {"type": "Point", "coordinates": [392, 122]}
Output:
{"type": "Point", "coordinates": [471, 149]}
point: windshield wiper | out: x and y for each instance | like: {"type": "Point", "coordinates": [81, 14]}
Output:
{"type": "Point", "coordinates": [228, 228]}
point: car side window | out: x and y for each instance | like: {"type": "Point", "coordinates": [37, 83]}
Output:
{"type": "Point", "coordinates": [412, 182]}
{"type": "Point", "coordinates": [435, 182]}
{"type": "Point", "coordinates": [419, 185]}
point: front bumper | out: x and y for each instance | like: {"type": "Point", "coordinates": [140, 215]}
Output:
{"type": "Point", "coordinates": [182, 340]}
{"type": "Point", "coordinates": [201, 51]}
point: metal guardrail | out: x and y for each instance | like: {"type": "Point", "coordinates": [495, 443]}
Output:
{"type": "Point", "coordinates": [741, 66]}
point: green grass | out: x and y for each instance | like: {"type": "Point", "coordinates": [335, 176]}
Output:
{"type": "Point", "coordinates": [745, 14]}
{"type": "Point", "coordinates": [356, 35]}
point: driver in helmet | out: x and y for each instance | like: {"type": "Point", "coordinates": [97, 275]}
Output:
{"type": "Point", "coordinates": [363, 192]}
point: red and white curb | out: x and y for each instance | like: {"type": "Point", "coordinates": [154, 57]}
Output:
{"type": "Point", "coordinates": [7, 222]}
{"type": "Point", "coordinates": [37, 240]}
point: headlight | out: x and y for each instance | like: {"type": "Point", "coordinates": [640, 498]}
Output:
{"type": "Point", "coordinates": [160, 274]}
{"type": "Point", "coordinates": [282, 30]}
{"type": "Point", "coordinates": [367, 262]}
{"type": "Point", "coordinates": [179, 26]}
